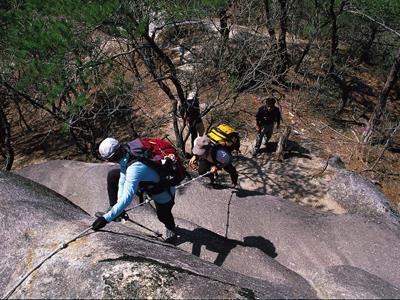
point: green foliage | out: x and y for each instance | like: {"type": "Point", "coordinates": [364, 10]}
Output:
{"type": "Point", "coordinates": [47, 42]}
{"type": "Point", "coordinates": [80, 101]}
{"type": "Point", "coordinates": [184, 9]}
{"type": "Point", "coordinates": [379, 6]}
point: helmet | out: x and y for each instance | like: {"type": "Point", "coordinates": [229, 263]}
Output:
{"type": "Point", "coordinates": [108, 147]}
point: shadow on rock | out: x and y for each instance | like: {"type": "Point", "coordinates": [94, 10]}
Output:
{"type": "Point", "coordinates": [215, 243]}
{"type": "Point", "coordinates": [242, 193]}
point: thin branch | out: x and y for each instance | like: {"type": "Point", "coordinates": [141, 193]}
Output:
{"type": "Point", "coordinates": [357, 12]}
{"type": "Point", "coordinates": [323, 169]}
{"type": "Point", "coordinates": [383, 150]}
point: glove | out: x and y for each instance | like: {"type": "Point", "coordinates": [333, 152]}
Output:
{"type": "Point", "coordinates": [99, 223]}
{"type": "Point", "coordinates": [214, 170]}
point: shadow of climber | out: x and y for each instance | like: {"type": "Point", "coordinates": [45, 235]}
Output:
{"type": "Point", "coordinates": [222, 246]}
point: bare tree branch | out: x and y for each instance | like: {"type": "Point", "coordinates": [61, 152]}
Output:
{"type": "Point", "coordinates": [357, 12]}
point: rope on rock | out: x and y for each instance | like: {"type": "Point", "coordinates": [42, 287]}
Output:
{"type": "Point", "coordinates": [65, 244]}
{"type": "Point", "coordinates": [193, 179]}
{"type": "Point", "coordinates": [60, 247]}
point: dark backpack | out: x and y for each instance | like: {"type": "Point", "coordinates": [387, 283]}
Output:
{"type": "Point", "coordinates": [225, 136]}
{"type": "Point", "coordinates": [162, 157]}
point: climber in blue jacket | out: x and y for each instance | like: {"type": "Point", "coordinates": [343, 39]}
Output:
{"type": "Point", "coordinates": [123, 184]}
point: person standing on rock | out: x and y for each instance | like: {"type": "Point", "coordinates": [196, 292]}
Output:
{"type": "Point", "coordinates": [192, 115]}
{"type": "Point", "coordinates": [131, 177]}
{"type": "Point", "coordinates": [266, 117]}
{"type": "Point", "coordinates": [207, 157]}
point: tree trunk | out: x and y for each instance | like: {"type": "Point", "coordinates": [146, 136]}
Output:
{"type": "Point", "coordinates": [282, 143]}
{"type": "Point", "coordinates": [224, 29]}
{"type": "Point", "coordinates": [268, 23]}
{"type": "Point", "coordinates": [6, 150]}
{"type": "Point", "coordinates": [334, 36]}
{"type": "Point", "coordinates": [305, 52]}
{"type": "Point", "coordinates": [344, 87]}
{"type": "Point", "coordinates": [223, 22]}
{"type": "Point", "coordinates": [282, 39]}
{"type": "Point", "coordinates": [366, 51]}
{"type": "Point", "coordinates": [380, 107]}
{"type": "Point", "coordinates": [334, 32]}
{"type": "Point", "coordinates": [150, 64]}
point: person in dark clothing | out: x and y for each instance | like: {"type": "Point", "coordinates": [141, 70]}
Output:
{"type": "Point", "coordinates": [193, 117]}
{"type": "Point", "coordinates": [212, 158]}
{"type": "Point", "coordinates": [266, 118]}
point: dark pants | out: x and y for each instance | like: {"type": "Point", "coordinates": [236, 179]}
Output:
{"type": "Point", "coordinates": [196, 128]}
{"type": "Point", "coordinates": [266, 133]}
{"type": "Point", "coordinates": [164, 214]}
{"type": "Point", "coordinates": [164, 211]}
{"type": "Point", "coordinates": [205, 166]}
{"type": "Point", "coordinates": [193, 132]}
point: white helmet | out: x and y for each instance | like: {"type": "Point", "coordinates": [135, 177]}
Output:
{"type": "Point", "coordinates": [108, 147]}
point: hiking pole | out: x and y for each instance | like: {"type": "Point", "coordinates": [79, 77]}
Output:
{"type": "Point", "coordinates": [60, 247]}
{"type": "Point", "coordinates": [193, 179]}
{"type": "Point", "coordinates": [148, 200]}
{"type": "Point", "coordinates": [157, 234]}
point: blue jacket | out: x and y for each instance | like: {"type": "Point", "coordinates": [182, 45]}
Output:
{"type": "Point", "coordinates": [128, 185]}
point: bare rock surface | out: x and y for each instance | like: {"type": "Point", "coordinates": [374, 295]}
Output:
{"type": "Point", "coordinates": [117, 263]}
{"type": "Point", "coordinates": [347, 282]}
{"type": "Point", "coordinates": [267, 237]}
{"type": "Point", "coordinates": [83, 183]}
{"type": "Point", "coordinates": [192, 238]}
{"type": "Point", "coordinates": [360, 196]}
{"type": "Point", "coordinates": [306, 241]}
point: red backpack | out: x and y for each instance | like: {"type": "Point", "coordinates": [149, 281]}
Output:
{"type": "Point", "coordinates": [162, 157]}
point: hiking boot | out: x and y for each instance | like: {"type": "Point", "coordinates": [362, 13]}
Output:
{"type": "Point", "coordinates": [234, 185]}
{"type": "Point", "coordinates": [170, 236]}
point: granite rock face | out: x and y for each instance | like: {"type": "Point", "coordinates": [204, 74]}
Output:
{"type": "Point", "coordinates": [264, 237]}
{"type": "Point", "coordinates": [352, 283]}
{"type": "Point", "coordinates": [74, 180]}
{"type": "Point", "coordinates": [116, 263]}
{"type": "Point", "coordinates": [360, 196]}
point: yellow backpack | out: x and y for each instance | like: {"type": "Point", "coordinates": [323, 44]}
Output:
{"type": "Point", "coordinates": [226, 136]}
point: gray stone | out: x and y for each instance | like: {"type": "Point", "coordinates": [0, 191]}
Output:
{"type": "Point", "coordinates": [247, 257]}
{"type": "Point", "coordinates": [360, 196]}
{"type": "Point", "coordinates": [119, 262]}
{"type": "Point", "coordinates": [347, 282]}
{"type": "Point", "coordinates": [336, 162]}
{"type": "Point", "coordinates": [274, 239]}
{"type": "Point", "coordinates": [306, 241]}
{"type": "Point", "coordinates": [74, 180]}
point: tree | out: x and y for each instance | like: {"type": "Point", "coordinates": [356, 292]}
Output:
{"type": "Point", "coordinates": [6, 149]}
{"type": "Point", "coordinates": [284, 63]}
{"type": "Point", "coordinates": [391, 79]}
{"type": "Point", "coordinates": [55, 62]}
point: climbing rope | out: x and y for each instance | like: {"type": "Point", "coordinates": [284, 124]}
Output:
{"type": "Point", "coordinates": [60, 247]}
{"type": "Point", "coordinates": [193, 179]}
{"type": "Point", "coordinates": [65, 244]}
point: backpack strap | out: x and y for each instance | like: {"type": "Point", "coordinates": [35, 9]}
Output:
{"type": "Point", "coordinates": [151, 187]}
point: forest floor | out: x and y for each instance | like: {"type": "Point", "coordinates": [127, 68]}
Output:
{"type": "Point", "coordinates": [315, 136]}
